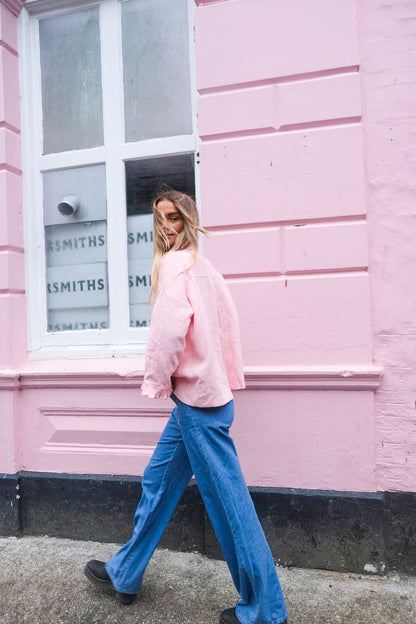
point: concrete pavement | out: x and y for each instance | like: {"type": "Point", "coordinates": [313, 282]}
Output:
{"type": "Point", "coordinates": [42, 582]}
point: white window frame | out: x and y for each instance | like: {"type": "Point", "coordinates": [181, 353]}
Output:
{"type": "Point", "coordinates": [119, 339]}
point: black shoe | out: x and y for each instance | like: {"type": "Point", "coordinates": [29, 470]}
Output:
{"type": "Point", "coordinates": [96, 573]}
{"type": "Point", "coordinates": [229, 617]}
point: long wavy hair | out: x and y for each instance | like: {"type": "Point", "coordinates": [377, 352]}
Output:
{"type": "Point", "coordinates": [186, 207]}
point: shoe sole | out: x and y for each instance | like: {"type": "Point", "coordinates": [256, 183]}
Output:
{"type": "Point", "coordinates": [222, 621]}
{"type": "Point", "coordinates": [124, 599]}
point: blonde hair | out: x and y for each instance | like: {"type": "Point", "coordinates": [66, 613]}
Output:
{"type": "Point", "coordinates": [188, 237]}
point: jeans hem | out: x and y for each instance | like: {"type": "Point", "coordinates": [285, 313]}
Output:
{"type": "Point", "coordinates": [117, 588]}
{"type": "Point", "coordinates": [271, 622]}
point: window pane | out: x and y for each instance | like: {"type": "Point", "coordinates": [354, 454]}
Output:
{"type": "Point", "coordinates": [144, 178]}
{"type": "Point", "coordinates": [76, 249]}
{"type": "Point", "coordinates": [157, 92]}
{"type": "Point", "coordinates": [71, 81]}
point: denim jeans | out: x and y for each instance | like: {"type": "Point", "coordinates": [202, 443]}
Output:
{"type": "Point", "coordinates": [197, 441]}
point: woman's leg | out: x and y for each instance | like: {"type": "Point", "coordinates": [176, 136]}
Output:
{"type": "Point", "coordinates": [217, 470]}
{"type": "Point", "coordinates": [164, 481]}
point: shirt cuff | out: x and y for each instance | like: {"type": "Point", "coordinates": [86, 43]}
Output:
{"type": "Point", "coordinates": [155, 393]}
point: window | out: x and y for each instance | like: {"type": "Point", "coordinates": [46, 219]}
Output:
{"type": "Point", "coordinates": [108, 117]}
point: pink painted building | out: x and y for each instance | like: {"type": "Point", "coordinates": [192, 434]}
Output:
{"type": "Point", "coordinates": [293, 124]}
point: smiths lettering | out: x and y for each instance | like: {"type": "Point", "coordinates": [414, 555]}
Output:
{"type": "Point", "coordinates": [140, 237]}
{"type": "Point", "coordinates": [79, 325]}
{"type": "Point", "coordinates": [82, 242]}
{"type": "Point", "coordinates": [75, 286]}
{"type": "Point", "coordinates": [139, 280]}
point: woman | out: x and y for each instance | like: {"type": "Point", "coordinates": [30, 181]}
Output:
{"type": "Point", "coordinates": [193, 356]}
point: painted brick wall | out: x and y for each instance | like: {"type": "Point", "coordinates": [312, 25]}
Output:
{"type": "Point", "coordinates": [388, 66]}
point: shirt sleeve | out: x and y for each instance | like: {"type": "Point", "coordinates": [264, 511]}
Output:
{"type": "Point", "coordinates": [169, 326]}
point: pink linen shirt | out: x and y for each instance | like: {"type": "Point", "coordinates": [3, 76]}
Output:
{"type": "Point", "coordinates": [194, 341]}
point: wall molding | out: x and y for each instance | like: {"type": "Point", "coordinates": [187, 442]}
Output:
{"type": "Point", "coordinates": [94, 431]}
{"type": "Point", "coordinates": [264, 378]}
{"type": "Point", "coordinates": [314, 378]}
{"type": "Point", "coordinates": [14, 6]}
{"type": "Point", "coordinates": [205, 2]}
{"type": "Point", "coordinates": [9, 381]}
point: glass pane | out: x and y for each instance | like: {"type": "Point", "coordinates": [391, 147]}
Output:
{"type": "Point", "coordinates": [71, 81]}
{"type": "Point", "coordinates": [157, 91]}
{"type": "Point", "coordinates": [144, 178]}
{"type": "Point", "coordinates": [75, 217]}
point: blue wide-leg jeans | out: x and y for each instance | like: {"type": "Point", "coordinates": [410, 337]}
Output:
{"type": "Point", "coordinates": [197, 441]}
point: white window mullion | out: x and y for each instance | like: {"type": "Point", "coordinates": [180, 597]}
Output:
{"type": "Point", "coordinates": [112, 81]}
{"type": "Point", "coordinates": [32, 182]}
{"type": "Point", "coordinates": [158, 147]}
{"type": "Point", "coordinates": [76, 158]}
{"type": "Point", "coordinates": [194, 94]}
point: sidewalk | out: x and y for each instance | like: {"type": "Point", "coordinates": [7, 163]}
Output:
{"type": "Point", "coordinates": [42, 582]}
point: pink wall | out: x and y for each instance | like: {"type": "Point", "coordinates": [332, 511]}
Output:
{"type": "Point", "coordinates": [283, 196]}
{"type": "Point", "coordinates": [71, 421]}
{"type": "Point", "coordinates": [295, 148]}
{"type": "Point", "coordinates": [388, 69]}
{"type": "Point", "coordinates": [283, 176]}
{"type": "Point", "coordinates": [12, 302]}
